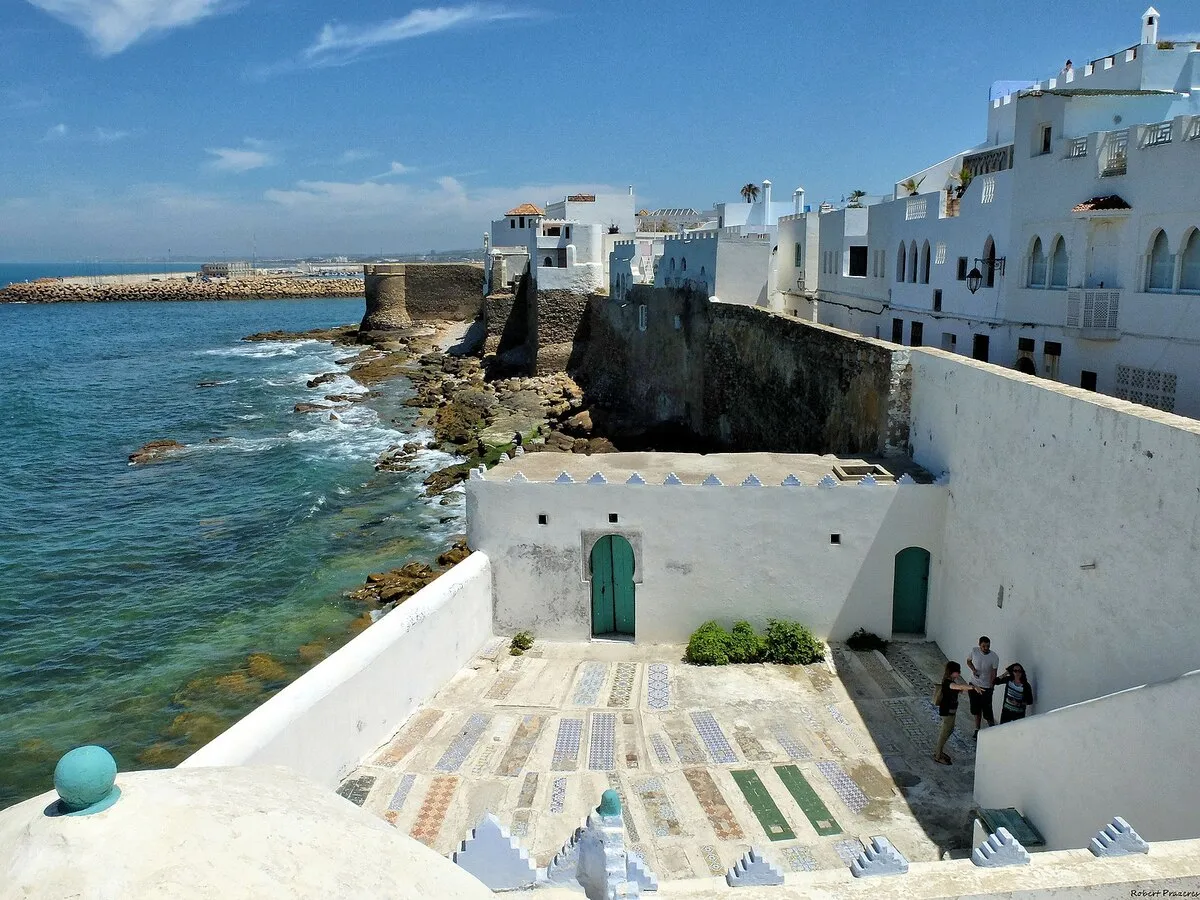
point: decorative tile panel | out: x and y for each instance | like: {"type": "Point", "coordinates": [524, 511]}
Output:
{"type": "Point", "coordinates": [720, 816]}
{"type": "Point", "coordinates": [462, 745]}
{"type": "Point", "coordinates": [408, 739]}
{"type": "Point", "coordinates": [787, 740]}
{"type": "Point", "coordinates": [714, 738]}
{"type": "Point", "coordinates": [658, 686]}
{"type": "Point", "coordinates": [659, 743]}
{"type": "Point", "coordinates": [433, 810]}
{"type": "Point", "coordinates": [622, 686]}
{"type": "Point", "coordinates": [602, 742]}
{"type": "Point", "coordinates": [659, 808]}
{"type": "Point", "coordinates": [856, 801]}
{"type": "Point", "coordinates": [521, 746]}
{"type": "Point", "coordinates": [357, 789]}
{"type": "Point", "coordinates": [587, 688]}
{"type": "Point", "coordinates": [558, 795]}
{"type": "Point", "coordinates": [566, 745]}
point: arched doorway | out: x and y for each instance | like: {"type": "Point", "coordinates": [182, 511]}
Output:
{"type": "Point", "coordinates": [1025, 366]}
{"type": "Point", "coordinates": [611, 566]}
{"type": "Point", "coordinates": [910, 591]}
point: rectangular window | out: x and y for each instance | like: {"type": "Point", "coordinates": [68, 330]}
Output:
{"type": "Point", "coordinates": [1087, 380]}
{"type": "Point", "coordinates": [989, 192]}
{"type": "Point", "coordinates": [979, 348]}
{"type": "Point", "coordinates": [949, 341]}
{"type": "Point", "coordinates": [1047, 138]}
{"type": "Point", "coordinates": [937, 300]}
{"type": "Point", "coordinates": [962, 269]}
{"type": "Point", "coordinates": [1025, 345]}
{"type": "Point", "coordinates": [1051, 353]}
{"type": "Point", "coordinates": [916, 336]}
{"type": "Point", "coordinates": [512, 223]}
{"type": "Point", "coordinates": [799, 259]}
{"type": "Point", "coordinates": [940, 257]}
{"type": "Point", "coordinates": [858, 262]}
{"type": "Point", "coordinates": [522, 221]}
{"type": "Point", "coordinates": [1052, 348]}
{"type": "Point", "coordinates": [642, 317]}
{"type": "Point", "coordinates": [568, 234]}
{"type": "Point", "coordinates": [897, 331]}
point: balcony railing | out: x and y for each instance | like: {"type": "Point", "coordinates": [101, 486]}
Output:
{"type": "Point", "coordinates": [916, 208]}
{"type": "Point", "coordinates": [1077, 147]}
{"type": "Point", "coordinates": [1158, 133]}
{"type": "Point", "coordinates": [1193, 133]}
{"type": "Point", "coordinates": [1116, 156]}
{"type": "Point", "coordinates": [1095, 310]}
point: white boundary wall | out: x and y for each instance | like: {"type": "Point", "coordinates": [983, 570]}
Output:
{"type": "Point", "coordinates": [1130, 754]}
{"type": "Point", "coordinates": [323, 723]}
{"type": "Point", "coordinates": [1083, 508]}
{"type": "Point", "coordinates": [722, 552]}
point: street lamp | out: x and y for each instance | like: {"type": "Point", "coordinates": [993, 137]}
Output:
{"type": "Point", "coordinates": [993, 264]}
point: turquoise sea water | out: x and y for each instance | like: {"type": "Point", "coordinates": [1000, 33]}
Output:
{"type": "Point", "coordinates": [122, 584]}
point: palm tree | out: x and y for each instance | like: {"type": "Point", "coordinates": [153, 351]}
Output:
{"type": "Point", "coordinates": [856, 198]}
{"type": "Point", "coordinates": [750, 192]}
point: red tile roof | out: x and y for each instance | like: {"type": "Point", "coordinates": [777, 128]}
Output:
{"type": "Point", "coordinates": [525, 209]}
{"type": "Point", "coordinates": [1096, 204]}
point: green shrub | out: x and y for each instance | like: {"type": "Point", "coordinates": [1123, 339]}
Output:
{"type": "Point", "coordinates": [866, 640]}
{"type": "Point", "coordinates": [790, 643]}
{"type": "Point", "coordinates": [521, 642]}
{"type": "Point", "coordinates": [745, 645]}
{"type": "Point", "coordinates": [709, 645]}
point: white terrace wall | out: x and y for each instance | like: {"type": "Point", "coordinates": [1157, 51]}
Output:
{"type": "Point", "coordinates": [1130, 754]}
{"type": "Point", "coordinates": [323, 723]}
{"type": "Point", "coordinates": [1072, 528]}
{"type": "Point", "coordinates": [723, 553]}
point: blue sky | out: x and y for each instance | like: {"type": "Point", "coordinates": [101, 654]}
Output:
{"type": "Point", "coordinates": [132, 127]}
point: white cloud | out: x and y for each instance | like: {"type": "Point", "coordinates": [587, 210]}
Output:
{"type": "Point", "coordinates": [56, 132]}
{"type": "Point", "coordinates": [113, 25]}
{"type": "Point", "coordinates": [109, 135]}
{"type": "Point", "coordinates": [240, 159]}
{"type": "Point", "coordinates": [396, 168]}
{"type": "Point", "coordinates": [341, 44]}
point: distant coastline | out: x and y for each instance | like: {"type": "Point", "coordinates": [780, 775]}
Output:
{"type": "Point", "coordinates": [176, 287]}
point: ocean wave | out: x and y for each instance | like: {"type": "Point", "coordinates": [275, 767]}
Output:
{"type": "Point", "coordinates": [261, 350]}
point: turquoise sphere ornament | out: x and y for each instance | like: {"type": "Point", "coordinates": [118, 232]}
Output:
{"type": "Point", "coordinates": [85, 779]}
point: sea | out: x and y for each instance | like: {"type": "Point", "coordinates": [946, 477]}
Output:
{"type": "Point", "coordinates": [145, 608]}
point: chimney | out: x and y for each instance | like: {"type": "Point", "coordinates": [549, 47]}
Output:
{"type": "Point", "coordinates": [631, 190]}
{"type": "Point", "coordinates": [798, 200]}
{"type": "Point", "coordinates": [1150, 26]}
{"type": "Point", "coordinates": [766, 194]}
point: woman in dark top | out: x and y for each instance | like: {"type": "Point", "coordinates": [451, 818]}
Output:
{"type": "Point", "coordinates": [952, 684]}
{"type": "Point", "coordinates": [1018, 693]}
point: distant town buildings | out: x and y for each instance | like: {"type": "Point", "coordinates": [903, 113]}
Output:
{"type": "Point", "coordinates": [239, 269]}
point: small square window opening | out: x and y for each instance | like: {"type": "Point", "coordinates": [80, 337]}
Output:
{"type": "Point", "coordinates": [543, 519]}
{"type": "Point", "coordinates": [612, 517]}
{"type": "Point", "coordinates": [835, 539]}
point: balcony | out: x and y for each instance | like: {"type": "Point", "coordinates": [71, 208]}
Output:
{"type": "Point", "coordinates": [1077, 148]}
{"type": "Point", "coordinates": [1116, 153]}
{"type": "Point", "coordinates": [1093, 313]}
{"type": "Point", "coordinates": [1158, 133]}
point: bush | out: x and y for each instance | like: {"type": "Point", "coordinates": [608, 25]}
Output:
{"type": "Point", "coordinates": [709, 645]}
{"type": "Point", "coordinates": [745, 645]}
{"type": "Point", "coordinates": [866, 640]}
{"type": "Point", "coordinates": [521, 642]}
{"type": "Point", "coordinates": [791, 644]}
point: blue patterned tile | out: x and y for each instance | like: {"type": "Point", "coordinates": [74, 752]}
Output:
{"type": "Point", "coordinates": [714, 738]}
{"type": "Point", "coordinates": [591, 679]}
{"type": "Point", "coordinates": [602, 742]}
{"type": "Point", "coordinates": [558, 795]}
{"type": "Point", "coordinates": [848, 849]}
{"type": "Point", "coordinates": [566, 745]}
{"type": "Point", "coordinates": [791, 746]}
{"type": "Point", "coordinates": [799, 859]}
{"type": "Point", "coordinates": [462, 745]}
{"type": "Point", "coordinates": [659, 743]}
{"type": "Point", "coordinates": [397, 802]}
{"type": "Point", "coordinates": [622, 688]}
{"type": "Point", "coordinates": [658, 686]}
{"type": "Point", "coordinates": [844, 785]}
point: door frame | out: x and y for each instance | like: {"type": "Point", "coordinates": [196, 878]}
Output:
{"type": "Point", "coordinates": [628, 583]}
{"type": "Point", "coordinates": [925, 604]}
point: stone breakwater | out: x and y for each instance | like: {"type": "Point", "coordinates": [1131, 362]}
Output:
{"type": "Point", "coordinates": [182, 290]}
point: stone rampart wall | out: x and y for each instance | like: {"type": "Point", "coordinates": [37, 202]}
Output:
{"type": "Point", "coordinates": [399, 294]}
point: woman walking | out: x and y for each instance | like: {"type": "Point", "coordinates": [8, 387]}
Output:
{"type": "Point", "coordinates": [947, 703]}
{"type": "Point", "coordinates": [1018, 693]}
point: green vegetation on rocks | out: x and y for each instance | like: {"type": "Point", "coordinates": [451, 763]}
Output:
{"type": "Point", "coordinates": [521, 642]}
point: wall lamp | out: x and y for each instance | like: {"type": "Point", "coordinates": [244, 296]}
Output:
{"type": "Point", "coordinates": [975, 277]}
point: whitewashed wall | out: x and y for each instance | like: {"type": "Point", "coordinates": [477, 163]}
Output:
{"type": "Point", "coordinates": [1084, 509]}
{"type": "Point", "coordinates": [1129, 754]}
{"type": "Point", "coordinates": [323, 723]}
{"type": "Point", "coordinates": [742, 270]}
{"type": "Point", "coordinates": [702, 553]}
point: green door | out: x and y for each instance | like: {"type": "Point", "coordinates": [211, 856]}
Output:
{"type": "Point", "coordinates": [910, 591]}
{"type": "Point", "coordinates": [612, 586]}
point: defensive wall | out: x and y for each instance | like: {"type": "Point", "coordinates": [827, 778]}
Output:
{"type": "Point", "coordinates": [399, 294]}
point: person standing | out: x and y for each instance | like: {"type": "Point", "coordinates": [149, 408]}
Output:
{"type": "Point", "coordinates": [983, 664]}
{"type": "Point", "coordinates": [1018, 693]}
{"type": "Point", "coordinates": [947, 701]}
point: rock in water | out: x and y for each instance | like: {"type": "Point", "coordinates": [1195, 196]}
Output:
{"type": "Point", "coordinates": [155, 451]}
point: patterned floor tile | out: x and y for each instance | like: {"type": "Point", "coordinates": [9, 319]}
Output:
{"type": "Point", "coordinates": [712, 859]}
{"type": "Point", "coordinates": [848, 849]}
{"type": "Point", "coordinates": [631, 832]}
{"type": "Point", "coordinates": [587, 688]}
{"type": "Point", "coordinates": [799, 859]}
{"type": "Point", "coordinates": [521, 746]}
{"type": "Point", "coordinates": [520, 823]}
{"type": "Point", "coordinates": [558, 795]}
{"type": "Point", "coordinates": [714, 738]}
{"type": "Point", "coordinates": [889, 685]}
{"type": "Point", "coordinates": [622, 688]}
{"type": "Point", "coordinates": [774, 825]}
{"type": "Point", "coordinates": [428, 824]}
{"type": "Point", "coordinates": [918, 734]}
{"type": "Point", "coordinates": [462, 745]}
{"type": "Point", "coordinates": [658, 686]}
{"type": "Point", "coordinates": [659, 743]}
{"type": "Point", "coordinates": [396, 804]}
{"type": "Point", "coordinates": [659, 809]}
{"type": "Point", "coordinates": [566, 745]}
{"type": "Point", "coordinates": [713, 803]}
{"type": "Point", "coordinates": [912, 673]}
{"type": "Point", "coordinates": [817, 729]}
{"type": "Point", "coordinates": [961, 745]}
{"type": "Point", "coordinates": [503, 686]}
{"type": "Point", "coordinates": [851, 730]}
{"type": "Point", "coordinates": [357, 789]}
{"type": "Point", "coordinates": [528, 791]}
{"type": "Point", "coordinates": [408, 739]}
{"type": "Point", "coordinates": [687, 748]}
{"type": "Point", "coordinates": [851, 794]}
{"type": "Point", "coordinates": [810, 803]}
{"type": "Point", "coordinates": [750, 745]}
{"type": "Point", "coordinates": [788, 741]}
{"type": "Point", "coordinates": [602, 742]}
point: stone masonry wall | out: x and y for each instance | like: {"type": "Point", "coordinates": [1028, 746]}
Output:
{"type": "Point", "coordinates": [399, 294]}
{"type": "Point", "coordinates": [558, 329]}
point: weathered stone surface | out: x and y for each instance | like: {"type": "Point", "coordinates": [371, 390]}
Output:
{"type": "Point", "coordinates": [181, 290]}
{"type": "Point", "coordinates": [1000, 849]}
{"type": "Point", "coordinates": [155, 451]}
{"type": "Point", "coordinates": [881, 858]}
{"type": "Point", "coordinates": [753, 871]}
{"type": "Point", "coordinates": [1117, 838]}
{"type": "Point", "coordinates": [400, 293]}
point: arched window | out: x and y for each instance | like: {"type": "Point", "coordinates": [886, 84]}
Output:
{"type": "Point", "coordinates": [1037, 265]}
{"type": "Point", "coordinates": [912, 262]}
{"type": "Point", "coordinates": [1161, 271]}
{"type": "Point", "coordinates": [1058, 263]}
{"type": "Point", "coordinates": [901, 257]}
{"type": "Point", "coordinates": [548, 263]}
{"type": "Point", "coordinates": [925, 263]}
{"type": "Point", "coordinates": [1189, 270]}
{"type": "Point", "coordinates": [989, 256]}
{"type": "Point", "coordinates": [683, 264]}
{"type": "Point", "coordinates": [672, 264]}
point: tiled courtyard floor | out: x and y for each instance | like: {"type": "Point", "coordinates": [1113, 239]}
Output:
{"type": "Point", "coordinates": [802, 762]}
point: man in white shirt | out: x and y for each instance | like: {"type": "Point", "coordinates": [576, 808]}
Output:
{"type": "Point", "coordinates": [983, 664]}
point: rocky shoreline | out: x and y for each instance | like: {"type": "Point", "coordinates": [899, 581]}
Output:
{"type": "Point", "coordinates": [181, 290]}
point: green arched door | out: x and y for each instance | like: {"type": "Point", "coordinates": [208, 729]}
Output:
{"type": "Point", "coordinates": [910, 591]}
{"type": "Point", "coordinates": [612, 586]}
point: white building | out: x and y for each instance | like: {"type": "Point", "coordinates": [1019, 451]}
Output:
{"type": "Point", "coordinates": [1078, 217]}
{"type": "Point", "coordinates": [238, 269]}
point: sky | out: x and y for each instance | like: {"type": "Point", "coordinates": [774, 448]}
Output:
{"type": "Point", "coordinates": [156, 128]}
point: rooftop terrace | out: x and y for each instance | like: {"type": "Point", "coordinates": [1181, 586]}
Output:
{"type": "Point", "coordinates": [805, 762]}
